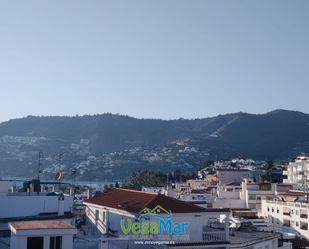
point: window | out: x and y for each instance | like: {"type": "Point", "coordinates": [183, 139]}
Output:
{"type": "Point", "coordinates": [96, 214]}
{"type": "Point", "coordinates": [286, 223]}
{"type": "Point", "coordinates": [268, 209]}
{"type": "Point", "coordinates": [35, 242]}
{"type": "Point", "coordinates": [296, 212]}
{"type": "Point", "coordinates": [258, 198]}
{"type": "Point", "coordinates": [277, 210]}
{"type": "Point", "coordinates": [304, 225]}
{"type": "Point", "coordinates": [297, 223]}
{"type": "Point", "coordinates": [292, 211]}
{"type": "Point", "coordinates": [286, 211]}
{"type": "Point", "coordinates": [55, 242]}
{"type": "Point", "coordinates": [303, 213]}
{"type": "Point", "coordinates": [278, 221]}
{"type": "Point", "coordinates": [5, 233]}
{"type": "Point", "coordinates": [104, 216]}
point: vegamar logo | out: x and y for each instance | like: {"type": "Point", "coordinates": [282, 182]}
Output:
{"type": "Point", "coordinates": [165, 223]}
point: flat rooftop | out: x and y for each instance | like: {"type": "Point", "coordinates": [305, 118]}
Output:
{"type": "Point", "coordinates": [247, 237]}
{"type": "Point", "coordinates": [41, 224]}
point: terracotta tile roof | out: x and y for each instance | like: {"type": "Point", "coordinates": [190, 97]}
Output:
{"type": "Point", "coordinates": [199, 243]}
{"type": "Point", "coordinates": [123, 199]}
{"type": "Point", "coordinates": [41, 224]}
{"type": "Point", "coordinates": [135, 201]}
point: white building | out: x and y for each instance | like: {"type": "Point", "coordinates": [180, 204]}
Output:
{"type": "Point", "coordinates": [297, 170]}
{"type": "Point", "coordinates": [231, 175]}
{"type": "Point", "coordinates": [288, 215]}
{"type": "Point", "coordinates": [160, 190]}
{"type": "Point", "coordinates": [46, 234]}
{"type": "Point", "coordinates": [248, 194]}
{"type": "Point", "coordinates": [106, 212]}
{"type": "Point", "coordinates": [29, 205]}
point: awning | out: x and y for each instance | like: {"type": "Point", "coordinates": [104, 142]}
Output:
{"type": "Point", "coordinates": [291, 198]}
{"type": "Point", "coordinates": [288, 198]}
{"type": "Point", "coordinates": [286, 210]}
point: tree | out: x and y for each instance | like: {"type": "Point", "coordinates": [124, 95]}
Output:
{"type": "Point", "coordinates": [105, 188]}
{"type": "Point", "coordinates": [208, 162]}
{"type": "Point", "coordinates": [262, 178]}
{"type": "Point", "coordinates": [269, 163]}
{"type": "Point", "coordinates": [116, 185]}
{"type": "Point", "coordinates": [241, 156]}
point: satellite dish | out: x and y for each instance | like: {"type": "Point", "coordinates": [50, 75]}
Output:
{"type": "Point", "coordinates": [58, 176]}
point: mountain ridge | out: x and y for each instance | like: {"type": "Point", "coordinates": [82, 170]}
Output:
{"type": "Point", "coordinates": [242, 132]}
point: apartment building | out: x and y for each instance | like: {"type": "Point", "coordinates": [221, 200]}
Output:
{"type": "Point", "coordinates": [297, 170]}
{"type": "Point", "coordinates": [225, 176]}
{"type": "Point", "coordinates": [289, 214]}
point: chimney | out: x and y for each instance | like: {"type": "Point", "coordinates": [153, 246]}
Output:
{"type": "Point", "coordinates": [60, 205]}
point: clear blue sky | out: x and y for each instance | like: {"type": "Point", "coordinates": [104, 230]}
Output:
{"type": "Point", "coordinates": [153, 59]}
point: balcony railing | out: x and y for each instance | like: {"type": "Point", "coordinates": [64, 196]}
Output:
{"type": "Point", "coordinates": [214, 236]}
{"type": "Point", "coordinates": [302, 177]}
{"type": "Point", "coordinates": [286, 172]}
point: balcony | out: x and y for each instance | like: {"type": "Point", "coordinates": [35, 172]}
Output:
{"type": "Point", "coordinates": [211, 234]}
{"type": "Point", "coordinates": [214, 236]}
{"type": "Point", "coordinates": [300, 168]}
{"type": "Point", "coordinates": [302, 177]}
{"type": "Point", "coordinates": [286, 172]}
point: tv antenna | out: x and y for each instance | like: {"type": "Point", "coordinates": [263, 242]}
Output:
{"type": "Point", "coordinates": [39, 171]}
